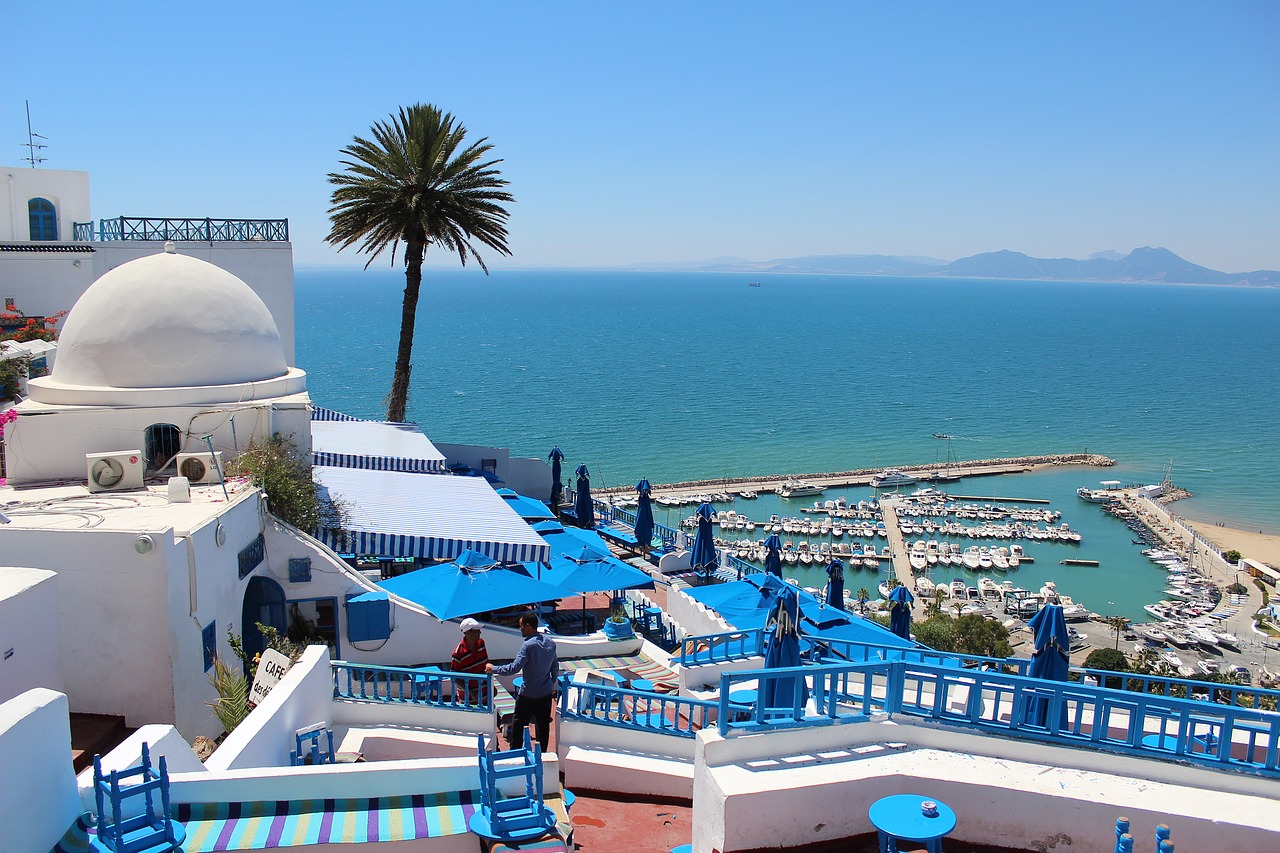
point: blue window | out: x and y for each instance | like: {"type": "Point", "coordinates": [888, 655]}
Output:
{"type": "Point", "coordinates": [44, 219]}
{"type": "Point", "coordinates": [252, 555]}
{"type": "Point", "coordinates": [209, 639]}
{"type": "Point", "coordinates": [299, 570]}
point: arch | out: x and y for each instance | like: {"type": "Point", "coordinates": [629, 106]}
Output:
{"type": "Point", "coordinates": [44, 219]}
{"type": "Point", "coordinates": [263, 602]}
{"type": "Point", "coordinates": [160, 443]}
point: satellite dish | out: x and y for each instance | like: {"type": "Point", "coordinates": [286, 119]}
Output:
{"type": "Point", "coordinates": [106, 472]}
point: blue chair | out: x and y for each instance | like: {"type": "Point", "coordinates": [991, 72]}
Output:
{"type": "Point", "coordinates": [512, 819]}
{"type": "Point", "coordinates": [313, 745]}
{"type": "Point", "coordinates": [151, 831]}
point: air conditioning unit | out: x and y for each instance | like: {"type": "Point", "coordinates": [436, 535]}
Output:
{"type": "Point", "coordinates": [119, 469]}
{"type": "Point", "coordinates": [200, 467]}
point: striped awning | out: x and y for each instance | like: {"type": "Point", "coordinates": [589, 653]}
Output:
{"type": "Point", "coordinates": [399, 514]}
{"type": "Point", "coordinates": [373, 445]}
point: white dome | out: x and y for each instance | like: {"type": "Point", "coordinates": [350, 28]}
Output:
{"type": "Point", "coordinates": [168, 321]}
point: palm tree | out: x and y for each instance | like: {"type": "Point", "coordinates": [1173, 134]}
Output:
{"type": "Point", "coordinates": [864, 595]}
{"type": "Point", "coordinates": [415, 182]}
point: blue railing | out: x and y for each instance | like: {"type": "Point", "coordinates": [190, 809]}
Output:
{"type": "Point", "coordinates": [721, 647]}
{"type": "Point", "coordinates": [190, 230]}
{"type": "Point", "coordinates": [663, 713]}
{"type": "Point", "coordinates": [426, 685]}
{"type": "Point", "coordinates": [1065, 713]}
{"type": "Point", "coordinates": [627, 517]}
{"type": "Point", "coordinates": [742, 567]}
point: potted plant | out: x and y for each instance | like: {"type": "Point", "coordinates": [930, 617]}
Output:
{"type": "Point", "coordinates": [618, 625]}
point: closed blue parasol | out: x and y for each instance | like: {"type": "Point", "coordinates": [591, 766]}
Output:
{"type": "Point", "coordinates": [835, 584]}
{"type": "Point", "coordinates": [472, 583]}
{"type": "Point", "coordinates": [784, 695]}
{"type": "Point", "coordinates": [1051, 659]}
{"type": "Point", "coordinates": [556, 458]}
{"type": "Point", "coordinates": [644, 516]}
{"type": "Point", "coordinates": [703, 557]}
{"type": "Point", "coordinates": [900, 611]}
{"type": "Point", "coordinates": [582, 506]}
{"type": "Point", "coordinates": [773, 555]}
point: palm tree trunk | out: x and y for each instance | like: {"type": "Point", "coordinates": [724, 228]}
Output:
{"type": "Point", "coordinates": [398, 400]}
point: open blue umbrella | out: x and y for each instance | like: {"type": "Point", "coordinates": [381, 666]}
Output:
{"type": "Point", "coordinates": [556, 457]}
{"type": "Point", "coordinates": [703, 557]}
{"type": "Point", "coordinates": [590, 571]}
{"type": "Point", "coordinates": [644, 516]}
{"type": "Point", "coordinates": [900, 611]}
{"type": "Point", "coordinates": [1051, 658]}
{"type": "Point", "coordinates": [472, 583]}
{"type": "Point", "coordinates": [835, 583]}
{"type": "Point", "coordinates": [773, 555]}
{"type": "Point", "coordinates": [582, 506]}
{"type": "Point", "coordinates": [782, 650]}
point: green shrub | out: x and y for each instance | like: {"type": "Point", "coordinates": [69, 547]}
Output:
{"type": "Point", "coordinates": [1110, 659]}
{"type": "Point", "coordinates": [276, 467]}
{"type": "Point", "coordinates": [1232, 556]}
{"type": "Point", "coordinates": [232, 704]}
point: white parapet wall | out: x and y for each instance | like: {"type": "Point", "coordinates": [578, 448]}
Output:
{"type": "Point", "coordinates": [811, 785]}
{"type": "Point", "coordinates": [29, 631]}
{"type": "Point", "coordinates": [38, 800]}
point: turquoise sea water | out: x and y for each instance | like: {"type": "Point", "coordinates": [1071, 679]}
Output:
{"type": "Point", "coordinates": [686, 376]}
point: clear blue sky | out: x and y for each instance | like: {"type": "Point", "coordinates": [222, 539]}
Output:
{"type": "Point", "coordinates": [667, 131]}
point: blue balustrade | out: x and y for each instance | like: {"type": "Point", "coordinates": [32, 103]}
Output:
{"type": "Point", "coordinates": [429, 685]}
{"type": "Point", "coordinates": [664, 713]}
{"type": "Point", "coordinates": [190, 230]}
{"type": "Point", "coordinates": [721, 648]}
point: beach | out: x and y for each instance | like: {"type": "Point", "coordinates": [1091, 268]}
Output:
{"type": "Point", "coordinates": [1254, 545]}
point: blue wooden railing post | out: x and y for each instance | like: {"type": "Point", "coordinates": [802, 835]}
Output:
{"type": "Point", "coordinates": [1163, 844]}
{"type": "Point", "coordinates": [1122, 832]}
{"type": "Point", "coordinates": [1124, 844]}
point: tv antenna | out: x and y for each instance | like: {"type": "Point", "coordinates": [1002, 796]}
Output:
{"type": "Point", "coordinates": [33, 148]}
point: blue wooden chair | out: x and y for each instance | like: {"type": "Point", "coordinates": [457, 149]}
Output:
{"type": "Point", "coordinates": [523, 817]}
{"type": "Point", "coordinates": [151, 831]}
{"type": "Point", "coordinates": [312, 745]}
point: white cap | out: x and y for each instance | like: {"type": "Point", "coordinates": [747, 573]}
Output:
{"type": "Point", "coordinates": [470, 624]}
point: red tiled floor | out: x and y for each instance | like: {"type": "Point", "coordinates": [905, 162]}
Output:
{"type": "Point", "coordinates": [633, 826]}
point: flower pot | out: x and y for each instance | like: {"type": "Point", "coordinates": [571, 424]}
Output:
{"type": "Point", "coordinates": [618, 630]}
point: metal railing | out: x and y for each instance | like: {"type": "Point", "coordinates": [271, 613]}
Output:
{"type": "Point", "coordinates": [189, 230]}
{"type": "Point", "coordinates": [428, 685]}
{"type": "Point", "coordinates": [663, 713]}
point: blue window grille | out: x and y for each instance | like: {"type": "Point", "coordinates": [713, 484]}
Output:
{"type": "Point", "coordinates": [44, 219]}
{"type": "Point", "coordinates": [209, 640]}
{"type": "Point", "coordinates": [300, 570]}
{"type": "Point", "coordinates": [252, 555]}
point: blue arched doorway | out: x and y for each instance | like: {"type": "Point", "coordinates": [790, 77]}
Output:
{"type": "Point", "coordinates": [263, 602]}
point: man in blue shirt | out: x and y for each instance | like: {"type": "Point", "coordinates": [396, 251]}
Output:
{"type": "Point", "coordinates": [538, 663]}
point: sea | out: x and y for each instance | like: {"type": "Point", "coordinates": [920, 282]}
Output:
{"type": "Point", "coordinates": [686, 376]}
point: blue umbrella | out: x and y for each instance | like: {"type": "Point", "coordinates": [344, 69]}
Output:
{"type": "Point", "coordinates": [590, 571]}
{"type": "Point", "coordinates": [582, 506]}
{"type": "Point", "coordinates": [555, 456]}
{"type": "Point", "coordinates": [472, 583]}
{"type": "Point", "coordinates": [703, 557]}
{"type": "Point", "coordinates": [900, 611]}
{"type": "Point", "coordinates": [782, 650]}
{"type": "Point", "coordinates": [644, 516]}
{"type": "Point", "coordinates": [1051, 659]}
{"type": "Point", "coordinates": [773, 557]}
{"type": "Point", "coordinates": [835, 584]}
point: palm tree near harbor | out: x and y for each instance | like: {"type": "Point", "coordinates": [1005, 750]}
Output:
{"type": "Point", "coordinates": [864, 595]}
{"type": "Point", "coordinates": [417, 182]}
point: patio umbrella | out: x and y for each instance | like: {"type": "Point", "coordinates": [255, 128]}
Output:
{"type": "Point", "coordinates": [1050, 660]}
{"type": "Point", "coordinates": [900, 611]}
{"type": "Point", "coordinates": [644, 516]}
{"type": "Point", "coordinates": [773, 555]}
{"type": "Point", "coordinates": [472, 583]}
{"type": "Point", "coordinates": [782, 650]}
{"type": "Point", "coordinates": [582, 506]}
{"type": "Point", "coordinates": [835, 584]}
{"type": "Point", "coordinates": [556, 457]}
{"type": "Point", "coordinates": [590, 571]}
{"type": "Point", "coordinates": [703, 556]}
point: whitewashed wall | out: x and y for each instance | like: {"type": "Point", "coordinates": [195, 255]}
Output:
{"type": "Point", "coordinates": [68, 190]}
{"type": "Point", "coordinates": [38, 800]}
{"type": "Point", "coordinates": [42, 285]}
{"type": "Point", "coordinates": [28, 631]}
{"type": "Point", "coordinates": [530, 477]}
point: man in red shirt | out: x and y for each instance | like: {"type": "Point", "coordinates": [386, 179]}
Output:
{"type": "Point", "coordinates": [470, 656]}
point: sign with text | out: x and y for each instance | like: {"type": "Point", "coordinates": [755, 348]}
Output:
{"type": "Point", "coordinates": [271, 668]}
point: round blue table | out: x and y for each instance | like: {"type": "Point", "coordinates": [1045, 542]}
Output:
{"type": "Point", "coordinates": [642, 684]}
{"type": "Point", "coordinates": [900, 817]}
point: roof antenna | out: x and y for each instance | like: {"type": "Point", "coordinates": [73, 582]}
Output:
{"type": "Point", "coordinates": [33, 148]}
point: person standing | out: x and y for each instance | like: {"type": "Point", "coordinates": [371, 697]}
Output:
{"type": "Point", "coordinates": [470, 656]}
{"type": "Point", "coordinates": [538, 663]}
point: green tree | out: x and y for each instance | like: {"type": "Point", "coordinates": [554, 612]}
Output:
{"type": "Point", "coordinates": [415, 183]}
{"type": "Point", "coordinates": [938, 633]}
{"type": "Point", "coordinates": [977, 635]}
{"type": "Point", "coordinates": [1232, 556]}
{"type": "Point", "coordinates": [1110, 659]}
{"type": "Point", "coordinates": [276, 467]}
{"type": "Point", "coordinates": [864, 595]}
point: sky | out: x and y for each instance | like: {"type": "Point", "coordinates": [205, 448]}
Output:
{"type": "Point", "coordinates": [675, 131]}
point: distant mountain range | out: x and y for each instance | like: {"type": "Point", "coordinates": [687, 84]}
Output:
{"type": "Point", "coordinates": [1140, 265]}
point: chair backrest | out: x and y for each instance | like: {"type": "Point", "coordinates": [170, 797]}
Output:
{"type": "Point", "coordinates": [146, 831]}
{"type": "Point", "coordinates": [313, 745]}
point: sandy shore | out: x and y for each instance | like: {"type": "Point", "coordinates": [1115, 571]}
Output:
{"type": "Point", "coordinates": [1256, 546]}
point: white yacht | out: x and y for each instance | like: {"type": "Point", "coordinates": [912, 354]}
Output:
{"type": "Point", "coordinates": [799, 489]}
{"type": "Point", "coordinates": [892, 477]}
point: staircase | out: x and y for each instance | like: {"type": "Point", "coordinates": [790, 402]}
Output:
{"type": "Point", "coordinates": [95, 734]}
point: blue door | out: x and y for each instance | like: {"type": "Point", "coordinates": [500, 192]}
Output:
{"type": "Point", "coordinates": [263, 602]}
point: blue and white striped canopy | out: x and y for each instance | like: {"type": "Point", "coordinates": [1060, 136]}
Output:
{"type": "Point", "coordinates": [374, 446]}
{"type": "Point", "coordinates": [399, 514]}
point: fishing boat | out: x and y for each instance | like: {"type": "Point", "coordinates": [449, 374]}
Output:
{"type": "Point", "coordinates": [892, 477]}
